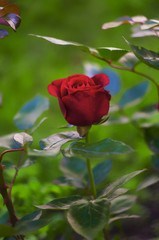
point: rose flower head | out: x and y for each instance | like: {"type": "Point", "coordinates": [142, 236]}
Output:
{"type": "Point", "coordinates": [83, 100]}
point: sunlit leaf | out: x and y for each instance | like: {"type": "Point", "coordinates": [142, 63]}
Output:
{"type": "Point", "coordinates": [97, 150]}
{"type": "Point", "coordinates": [34, 221]}
{"type": "Point", "coordinates": [38, 125]}
{"type": "Point", "coordinates": [101, 171]}
{"type": "Point", "coordinates": [150, 180]}
{"type": "Point", "coordinates": [109, 53]}
{"type": "Point", "coordinates": [88, 218]}
{"type": "Point", "coordinates": [134, 95]}
{"type": "Point", "coordinates": [129, 60]}
{"type": "Point", "coordinates": [123, 20]}
{"type": "Point", "coordinates": [117, 120]}
{"type": "Point", "coordinates": [151, 23]}
{"type": "Point", "coordinates": [122, 216]}
{"type": "Point", "coordinates": [122, 204]}
{"type": "Point", "coordinates": [54, 142]}
{"type": "Point", "coordinates": [112, 187]}
{"type": "Point", "coordinates": [22, 139]}
{"type": "Point", "coordinates": [29, 113]}
{"type": "Point", "coordinates": [60, 203]}
{"type": "Point", "coordinates": [6, 230]}
{"type": "Point", "coordinates": [7, 141]}
{"type": "Point", "coordinates": [146, 56]}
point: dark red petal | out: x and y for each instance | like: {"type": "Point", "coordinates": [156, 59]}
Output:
{"type": "Point", "coordinates": [101, 79]}
{"type": "Point", "coordinates": [86, 107]}
{"type": "Point", "coordinates": [55, 88]}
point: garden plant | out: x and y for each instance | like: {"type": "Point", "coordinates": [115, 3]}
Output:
{"type": "Point", "coordinates": [88, 204]}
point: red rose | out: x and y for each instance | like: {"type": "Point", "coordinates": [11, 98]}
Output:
{"type": "Point", "coordinates": [83, 100]}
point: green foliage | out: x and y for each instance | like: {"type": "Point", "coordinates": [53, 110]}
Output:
{"type": "Point", "coordinates": [89, 217]}
{"type": "Point", "coordinates": [134, 95]}
{"type": "Point", "coordinates": [97, 150]}
{"type": "Point", "coordinates": [146, 56]}
{"type": "Point", "coordinates": [30, 112]}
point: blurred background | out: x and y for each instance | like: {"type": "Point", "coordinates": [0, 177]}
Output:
{"type": "Point", "coordinates": [29, 64]}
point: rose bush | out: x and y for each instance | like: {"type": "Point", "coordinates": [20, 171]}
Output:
{"type": "Point", "coordinates": [83, 100]}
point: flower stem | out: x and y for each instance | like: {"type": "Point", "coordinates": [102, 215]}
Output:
{"type": "Point", "coordinates": [90, 173]}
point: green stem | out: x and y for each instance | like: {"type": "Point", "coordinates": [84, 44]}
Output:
{"type": "Point", "coordinates": [90, 173]}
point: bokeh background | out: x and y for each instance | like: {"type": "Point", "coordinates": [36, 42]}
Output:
{"type": "Point", "coordinates": [29, 64]}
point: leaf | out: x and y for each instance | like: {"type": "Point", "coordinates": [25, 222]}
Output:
{"type": "Point", "coordinates": [117, 120]}
{"type": "Point", "coordinates": [7, 141]}
{"type": "Point", "coordinates": [29, 113]}
{"type": "Point", "coordinates": [28, 162]}
{"type": "Point", "coordinates": [87, 218]}
{"type": "Point", "coordinates": [68, 181]}
{"type": "Point", "coordinates": [129, 60]}
{"type": "Point", "coordinates": [54, 142]}
{"type": "Point", "coordinates": [122, 204]}
{"type": "Point", "coordinates": [108, 53]}
{"type": "Point", "coordinates": [114, 85]}
{"type": "Point", "coordinates": [149, 24]}
{"type": "Point", "coordinates": [22, 139]}
{"type": "Point", "coordinates": [123, 20]}
{"type": "Point", "coordinates": [74, 167]}
{"type": "Point", "coordinates": [151, 135]}
{"type": "Point", "coordinates": [101, 171]}
{"type": "Point", "coordinates": [6, 230]}
{"type": "Point", "coordinates": [111, 53]}
{"type": "Point", "coordinates": [133, 95]}
{"type": "Point", "coordinates": [12, 20]}
{"type": "Point", "coordinates": [60, 203]}
{"type": "Point", "coordinates": [3, 33]}
{"type": "Point", "coordinates": [146, 56]}
{"type": "Point", "coordinates": [38, 125]}
{"type": "Point", "coordinates": [150, 180]}
{"type": "Point", "coordinates": [66, 43]}
{"type": "Point", "coordinates": [122, 216]}
{"type": "Point", "coordinates": [112, 187]}
{"type": "Point", "coordinates": [97, 150]}
{"type": "Point", "coordinates": [117, 193]}
{"type": "Point", "coordinates": [34, 221]}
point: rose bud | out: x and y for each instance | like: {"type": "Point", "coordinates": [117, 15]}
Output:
{"type": "Point", "coordinates": [83, 100]}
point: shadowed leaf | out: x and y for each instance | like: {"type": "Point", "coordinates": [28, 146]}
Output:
{"type": "Point", "coordinates": [112, 187]}
{"type": "Point", "coordinates": [97, 150]}
{"type": "Point", "coordinates": [122, 204]}
{"type": "Point", "coordinates": [60, 203]}
{"type": "Point", "coordinates": [150, 180]}
{"type": "Point", "coordinates": [88, 218]}
{"type": "Point", "coordinates": [146, 56]}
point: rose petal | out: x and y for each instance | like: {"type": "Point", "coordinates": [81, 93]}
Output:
{"type": "Point", "coordinates": [54, 88]}
{"type": "Point", "coordinates": [101, 79]}
{"type": "Point", "coordinates": [86, 107]}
